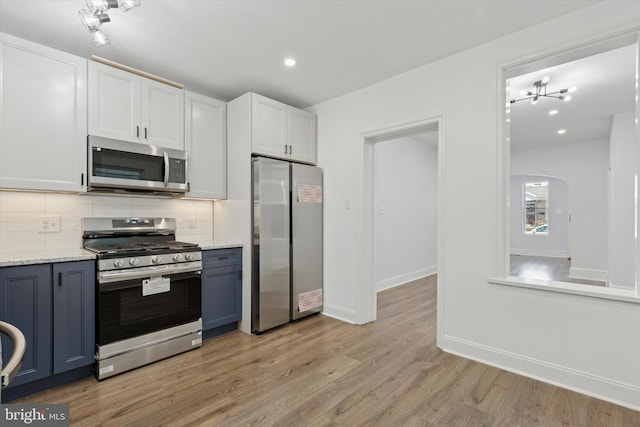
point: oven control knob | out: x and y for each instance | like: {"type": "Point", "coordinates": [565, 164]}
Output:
{"type": "Point", "coordinates": [118, 263]}
{"type": "Point", "coordinates": [188, 257]}
{"type": "Point", "coordinates": [177, 257]}
{"type": "Point", "coordinates": [134, 261]}
{"type": "Point", "coordinates": [156, 259]}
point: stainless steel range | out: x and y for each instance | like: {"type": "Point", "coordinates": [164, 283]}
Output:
{"type": "Point", "coordinates": [148, 292]}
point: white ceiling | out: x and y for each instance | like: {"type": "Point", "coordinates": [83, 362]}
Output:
{"type": "Point", "coordinates": [605, 86]}
{"type": "Point", "coordinates": [228, 47]}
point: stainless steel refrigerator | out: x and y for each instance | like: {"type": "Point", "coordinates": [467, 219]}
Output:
{"type": "Point", "coordinates": [287, 242]}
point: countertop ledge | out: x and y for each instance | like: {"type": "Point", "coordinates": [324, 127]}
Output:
{"type": "Point", "coordinates": [13, 259]}
{"type": "Point", "coordinates": [219, 245]}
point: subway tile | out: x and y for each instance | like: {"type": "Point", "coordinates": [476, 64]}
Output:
{"type": "Point", "coordinates": [107, 206]}
{"type": "Point", "coordinates": [63, 244]}
{"type": "Point", "coordinates": [33, 203]}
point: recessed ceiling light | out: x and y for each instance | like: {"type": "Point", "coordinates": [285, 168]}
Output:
{"type": "Point", "coordinates": [562, 131]}
{"type": "Point", "coordinates": [290, 62]}
{"type": "Point", "coordinates": [553, 112]}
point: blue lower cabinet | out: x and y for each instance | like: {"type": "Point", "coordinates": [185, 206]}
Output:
{"type": "Point", "coordinates": [25, 302]}
{"type": "Point", "coordinates": [221, 290]}
{"type": "Point", "coordinates": [54, 307]}
{"type": "Point", "coordinates": [73, 315]}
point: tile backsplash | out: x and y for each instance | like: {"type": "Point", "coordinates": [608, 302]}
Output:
{"type": "Point", "coordinates": [22, 213]}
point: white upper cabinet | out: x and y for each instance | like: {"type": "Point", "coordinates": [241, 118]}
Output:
{"type": "Point", "coordinates": [279, 130]}
{"type": "Point", "coordinates": [43, 131]}
{"type": "Point", "coordinates": [302, 135]}
{"type": "Point", "coordinates": [162, 114]}
{"type": "Point", "coordinates": [114, 103]}
{"type": "Point", "coordinates": [269, 127]}
{"type": "Point", "coordinates": [206, 143]}
{"type": "Point", "coordinates": [129, 107]}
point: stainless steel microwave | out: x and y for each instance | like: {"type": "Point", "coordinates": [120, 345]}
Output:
{"type": "Point", "coordinates": [121, 166]}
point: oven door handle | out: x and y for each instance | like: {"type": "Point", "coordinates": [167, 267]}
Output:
{"type": "Point", "coordinates": [132, 274]}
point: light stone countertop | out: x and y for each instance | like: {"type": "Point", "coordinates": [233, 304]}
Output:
{"type": "Point", "coordinates": [12, 259]}
{"type": "Point", "coordinates": [218, 245]}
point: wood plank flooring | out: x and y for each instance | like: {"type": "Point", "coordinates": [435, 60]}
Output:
{"type": "Point", "coordinates": [323, 372]}
{"type": "Point", "coordinates": [546, 268]}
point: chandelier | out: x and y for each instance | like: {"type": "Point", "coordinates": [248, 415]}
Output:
{"type": "Point", "coordinates": [540, 90]}
{"type": "Point", "coordinates": [97, 15]}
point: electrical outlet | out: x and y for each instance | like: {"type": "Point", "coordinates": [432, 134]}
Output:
{"type": "Point", "coordinates": [191, 222]}
{"type": "Point", "coordinates": [49, 224]}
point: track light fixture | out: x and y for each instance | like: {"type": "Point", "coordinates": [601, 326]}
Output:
{"type": "Point", "coordinates": [540, 90]}
{"type": "Point", "coordinates": [93, 18]}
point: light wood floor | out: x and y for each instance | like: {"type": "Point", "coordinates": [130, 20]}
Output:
{"type": "Point", "coordinates": [322, 372]}
{"type": "Point", "coordinates": [546, 268]}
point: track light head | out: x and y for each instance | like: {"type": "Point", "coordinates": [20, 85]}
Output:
{"type": "Point", "coordinates": [100, 39]}
{"type": "Point", "coordinates": [101, 6]}
{"type": "Point", "coordinates": [92, 21]}
{"type": "Point", "coordinates": [93, 18]}
{"type": "Point", "coordinates": [126, 5]}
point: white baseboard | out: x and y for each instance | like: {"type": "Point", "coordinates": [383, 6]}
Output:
{"type": "Point", "coordinates": [582, 382]}
{"type": "Point", "coordinates": [540, 252]}
{"type": "Point", "coordinates": [339, 313]}
{"type": "Point", "coordinates": [588, 274]}
{"type": "Point", "coordinates": [401, 279]}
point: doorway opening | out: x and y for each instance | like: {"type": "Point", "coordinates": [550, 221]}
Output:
{"type": "Point", "coordinates": [394, 205]}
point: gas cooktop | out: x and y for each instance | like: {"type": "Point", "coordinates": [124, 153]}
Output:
{"type": "Point", "coordinates": [141, 248]}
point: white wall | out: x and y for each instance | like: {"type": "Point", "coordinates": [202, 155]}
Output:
{"type": "Point", "coordinates": [405, 198]}
{"type": "Point", "coordinates": [584, 167]}
{"type": "Point", "coordinates": [20, 213]}
{"type": "Point", "coordinates": [624, 155]}
{"type": "Point", "coordinates": [562, 338]}
{"type": "Point", "coordinates": [556, 242]}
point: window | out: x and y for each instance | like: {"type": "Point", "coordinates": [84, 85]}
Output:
{"type": "Point", "coordinates": [536, 205]}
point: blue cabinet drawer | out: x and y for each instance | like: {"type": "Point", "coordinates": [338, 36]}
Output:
{"type": "Point", "coordinates": [221, 257]}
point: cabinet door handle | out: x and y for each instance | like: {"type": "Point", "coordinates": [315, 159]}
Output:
{"type": "Point", "coordinates": [145, 133]}
{"type": "Point", "coordinates": [137, 131]}
{"type": "Point", "coordinates": [81, 179]}
{"type": "Point", "coordinates": [59, 278]}
{"type": "Point", "coordinates": [290, 149]}
{"type": "Point", "coordinates": [285, 148]}
{"type": "Point", "coordinates": [222, 257]}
